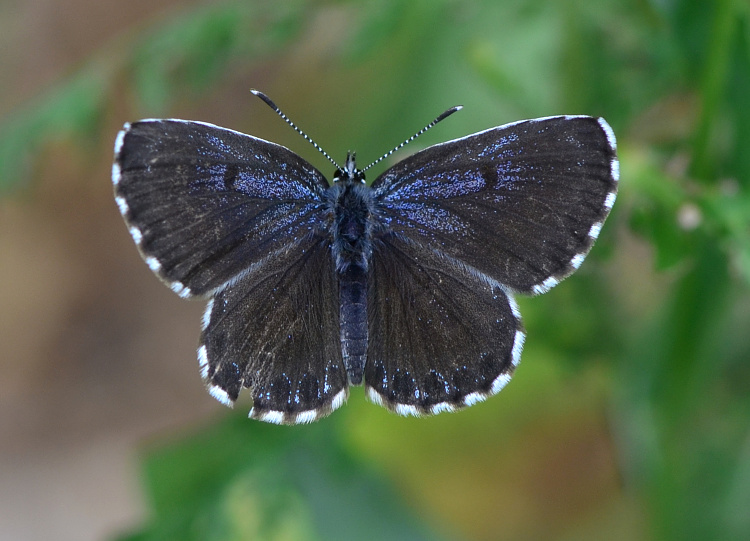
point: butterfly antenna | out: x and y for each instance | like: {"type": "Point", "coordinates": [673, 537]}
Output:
{"type": "Point", "coordinates": [445, 115]}
{"type": "Point", "coordinates": [279, 112]}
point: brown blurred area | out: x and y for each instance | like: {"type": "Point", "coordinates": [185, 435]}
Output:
{"type": "Point", "coordinates": [81, 317]}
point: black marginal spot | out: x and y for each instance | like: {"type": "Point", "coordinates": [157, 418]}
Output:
{"type": "Point", "coordinates": [432, 390]}
{"type": "Point", "coordinates": [403, 387]}
{"type": "Point", "coordinates": [308, 390]}
{"type": "Point", "coordinates": [229, 378]}
{"type": "Point", "coordinates": [463, 379]}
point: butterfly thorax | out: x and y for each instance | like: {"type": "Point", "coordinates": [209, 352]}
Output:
{"type": "Point", "coordinates": [351, 204]}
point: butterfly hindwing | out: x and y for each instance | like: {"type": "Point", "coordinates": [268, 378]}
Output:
{"type": "Point", "coordinates": [442, 336]}
{"type": "Point", "coordinates": [522, 203]}
{"type": "Point", "coordinates": [203, 203]}
{"type": "Point", "coordinates": [276, 331]}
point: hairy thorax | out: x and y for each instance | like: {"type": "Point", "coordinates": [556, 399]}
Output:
{"type": "Point", "coordinates": [352, 208]}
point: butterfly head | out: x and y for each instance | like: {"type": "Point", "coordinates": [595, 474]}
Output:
{"type": "Point", "coordinates": [349, 173]}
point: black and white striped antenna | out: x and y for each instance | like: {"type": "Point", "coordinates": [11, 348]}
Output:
{"type": "Point", "coordinates": [275, 107]}
{"type": "Point", "coordinates": [443, 116]}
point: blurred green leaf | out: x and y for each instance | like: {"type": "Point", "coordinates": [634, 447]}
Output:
{"type": "Point", "coordinates": [250, 480]}
{"type": "Point", "coordinates": [192, 52]}
{"type": "Point", "coordinates": [67, 111]}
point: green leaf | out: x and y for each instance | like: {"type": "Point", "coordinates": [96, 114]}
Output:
{"type": "Point", "coordinates": [250, 480]}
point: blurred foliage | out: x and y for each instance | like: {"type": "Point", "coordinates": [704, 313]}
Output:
{"type": "Point", "coordinates": [669, 358]}
{"type": "Point", "coordinates": [235, 481]}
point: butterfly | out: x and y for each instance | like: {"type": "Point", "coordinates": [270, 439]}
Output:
{"type": "Point", "coordinates": [405, 285]}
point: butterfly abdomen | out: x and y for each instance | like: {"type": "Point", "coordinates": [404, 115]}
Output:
{"type": "Point", "coordinates": [353, 321]}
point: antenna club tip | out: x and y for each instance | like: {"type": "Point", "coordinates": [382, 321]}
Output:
{"type": "Point", "coordinates": [458, 107]}
{"type": "Point", "coordinates": [265, 98]}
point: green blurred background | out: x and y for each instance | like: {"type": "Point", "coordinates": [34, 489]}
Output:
{"type": "Point", "coordinates": [629, 417]}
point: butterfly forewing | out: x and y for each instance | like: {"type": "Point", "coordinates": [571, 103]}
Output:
{"type": "Point", "coordinates": [521, 203]}
{"type": "Point", "coordinates": [203, 203]}
{"type": "Point", "coordinates": [276, 331]}
{"type": "Point", "coordinates": [441, 335]}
